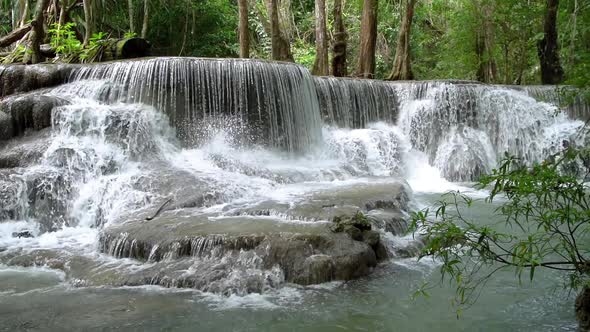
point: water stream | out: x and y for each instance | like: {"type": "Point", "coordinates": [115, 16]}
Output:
{"type": "Point", "coordinates": [229, 148]}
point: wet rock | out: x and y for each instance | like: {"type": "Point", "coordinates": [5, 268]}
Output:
{"type": "Point", "coordinates": [385, 202]}
{"type": "Point", "coordinates": [6, 130]}
{"type": "Point", "coordinates": [48, 193]}
{"type": "Point", "coordinates": [372, 238]}
{"type": "Point", "coordinates": [184, 188]}
{"type": "Point", "coordinates": [24, 78]}
{"type": "Point", "coordinates": [11, 189]}
{"type": "Point", "coordinates": [583, 309]}
{"type": "Point", "coordinates": [27, 111]}
{"type": "Point", "coordinates": [317, 268]}
{"type": "Point", "coordinates": [272, 243]}
{"type": "Point", "coordinates": [24, 151]}
{"type": "Point", "coordinates": [23, 234]}
{"type": "Point", "coordinates": [407, 247]}
{"type": "Point", "coordinates": [394, 222]}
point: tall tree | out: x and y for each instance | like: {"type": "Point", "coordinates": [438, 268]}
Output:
{"type": "Point", "coordinates": [88, 21]}
{"type": "Point", "coordinates": [402, 65]}
{"type": "Point", "coordinates": [244, 30]}
{"type": "Point", "coordinates": [321, 66]}
{"type": "Point", "coordinates": [24, 9]}
{"type": "Point", "coordinates": [38, 33]}
{"type": "Point", "coordinates": [548, 47]}
{"type": "Point", "coordinates": [146, 18]}
{"type": "Point", "coordinates": [368, 40]}
{"type": "Point", "coordinates": [339, 44]}
{"type": "Point", "coordinates": [281, 49]}
{"type": "Point", "coordinates": [131, 16]}
{"type": "Point", "coordinates": [484, 42]}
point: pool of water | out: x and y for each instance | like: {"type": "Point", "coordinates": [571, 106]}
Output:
{"type": "Point", "coordinates": [41, 299]}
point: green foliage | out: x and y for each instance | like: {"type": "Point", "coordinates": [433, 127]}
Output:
{"type": "Point", "coordinates": [304, 53]}
{"type": "Point", "coordinates": [93, 51]}
{"type": "Point", "coordinates": [129, 34]}
{"type": "Point", "coordinates": [63, 40]}
{"type": "Point", "coordinates": [443, 36]}
{"type": "Point", "coordinates": [69, 49]}
{"type": "Point", "coordinates": [543, 222]}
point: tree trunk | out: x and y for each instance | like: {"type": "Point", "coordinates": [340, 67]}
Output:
{"type": "Point", "coordinates": [583, 309]}
{"type": "Point", "coordinates": [88, 21]}
{"type": "Point", "coordinates": [281, 50]}
{"type": "Point", "coordinates": [62, 13]}
{"type": "Point", "coordinates": [368, 40]}
{"type": "Point", "coordinates": [484, 44]}
{"type": "Point", "coordinates": [24, 10]}
{"type": "Point", "coordinates": [573, 35]}
{"type": "Point", "coordinates": [321, 66]}
{"type": "Point", "coordinates": [548, 47]}
{"type": "Point", "coordinates": [131, 16]}
{"type": "Point", "coordinates": [402, 65]}
{"type": "Point", "coordinates": [339, 45]}
{"type": "Point", "coordinates": [146, 18]}
{"type": "Point", "coordinates": [244, 30]}
{"type": "Point", "coordinates": [38, 32]}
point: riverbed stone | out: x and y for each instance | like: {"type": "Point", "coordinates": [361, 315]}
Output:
{"type": "Point", "coordinates": [276, 243]}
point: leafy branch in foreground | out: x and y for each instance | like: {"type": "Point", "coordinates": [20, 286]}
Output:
{"type": "Point", "coordinates": [542, 222]}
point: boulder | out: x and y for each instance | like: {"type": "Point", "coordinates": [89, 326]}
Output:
{"type": "Point", "coordinates": [26, 111]}
{"type": "Point", "coordinates": [305, 253]}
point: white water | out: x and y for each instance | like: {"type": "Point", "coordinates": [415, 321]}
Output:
{"type": "Point", "coordinates": [102, 152]}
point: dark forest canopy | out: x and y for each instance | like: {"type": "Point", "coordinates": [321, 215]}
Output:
{"type": "Point", "coordinates": [495, 41]}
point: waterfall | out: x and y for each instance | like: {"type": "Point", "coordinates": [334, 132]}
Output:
{"type": "Point", "coordinates": [268, 103]}
{"type": "Point", "coordinates": [355, 103]}
{"type": "Point", "coordinates": [464, 128]}
{"type": "Point", "coordinates": [566, 97]}
{"type": "Point", "coordinates": [225, 175]}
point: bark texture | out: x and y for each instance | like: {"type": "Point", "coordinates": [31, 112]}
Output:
{"type": "Point", "coordinates": [402, 65]}
{"type": "Point", "coordinates": [244, 30]}
{"type": "Point", "coordinates": [38, 31]}
{"type": "Point", "coordinates": [368, 41]}
{"type": "Point", "coordinates": [281, 49]}
{"type": "Point", "coordinates": [14, 36]}
{"type": "Point", "coordinates": [484, 43]}
{"type": "Point", "coordinates": [146, 18]}
{"type": "Point", "coordinates": [583, 309]}
{"type": "Point", "coordinates": [88, 21]}
{"type": "Point", "coordinates": [548, 47]}
{"type": "Point", "coordinates": [339, 45]}
{"type": "Point", "coordinates": [321, 66]}
{"type": "Point", "coordinates": [131, 16]}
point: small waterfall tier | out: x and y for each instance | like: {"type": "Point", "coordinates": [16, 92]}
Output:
{"type": "Point", "coordinates": [262, 102]}
{"type": "Point", "coordinates": [463, 127]}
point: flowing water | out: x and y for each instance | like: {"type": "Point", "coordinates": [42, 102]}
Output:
{"type": "Point", "coordinates": [258, 147]}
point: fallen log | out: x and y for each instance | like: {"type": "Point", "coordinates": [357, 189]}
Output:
{"type": "Point", "coordinates": [15, 36]}
{"type": "Point", "coordinates": [47, 51]}
{"type": "Point", "coordinates": [108, 50]}
{"type": "Point", "coordinates": [128, 48]}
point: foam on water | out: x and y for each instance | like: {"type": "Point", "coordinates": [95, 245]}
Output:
{"type": "Point", "coordinates": [121, 149]}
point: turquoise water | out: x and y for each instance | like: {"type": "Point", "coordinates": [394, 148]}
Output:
{"type": "Point", "coordinates": [39, 299]}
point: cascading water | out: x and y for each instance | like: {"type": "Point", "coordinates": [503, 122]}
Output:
{"type": "Point", "coordinates": [464, 127]}
{"type": "Point", "coordinates": [220, 175]}
{"type": "Point", "coordinates": [270, 103]}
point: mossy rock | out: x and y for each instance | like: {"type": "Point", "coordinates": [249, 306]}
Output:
{"type": "Point", "coordinates": [344, 223]}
